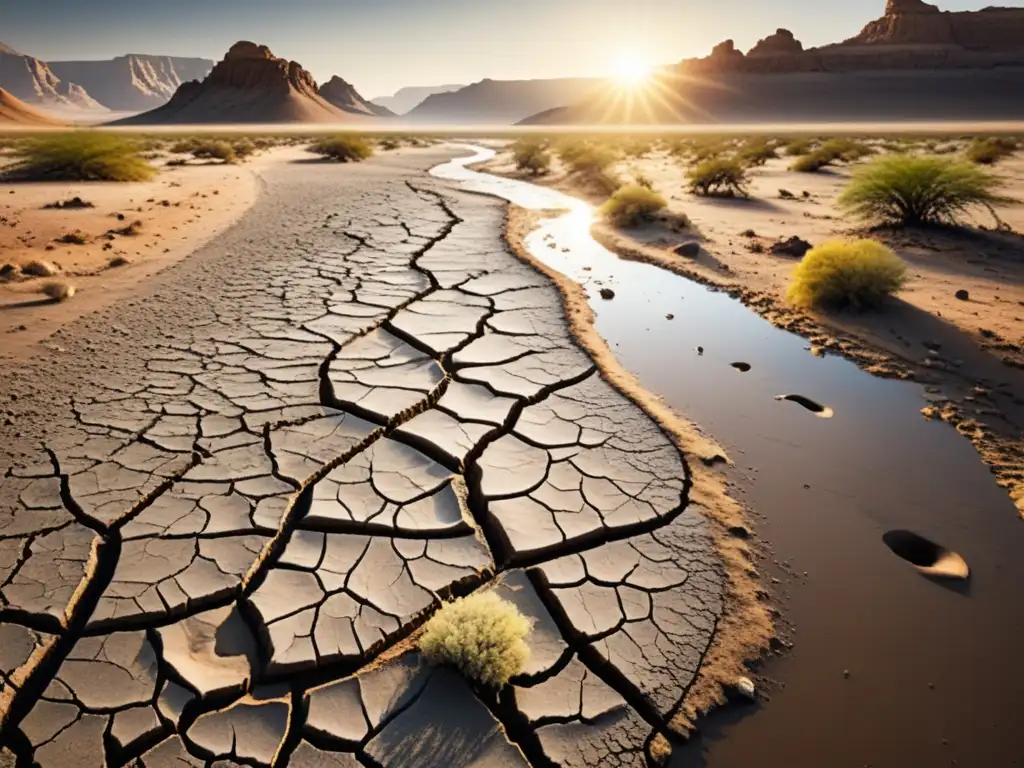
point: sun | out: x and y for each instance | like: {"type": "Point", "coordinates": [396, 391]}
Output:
{"type": "Point", "coordinates": [631, 70]}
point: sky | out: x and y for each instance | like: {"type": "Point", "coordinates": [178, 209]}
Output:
{"type": "Point", "coordinates": [383, 45]}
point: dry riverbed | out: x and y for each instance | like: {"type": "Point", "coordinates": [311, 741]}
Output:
{"type": "Point", "coordinates": [967, 353]}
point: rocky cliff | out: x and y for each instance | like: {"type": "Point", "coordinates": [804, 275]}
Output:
{"type": "Point", "coordinates": [345, 97]}
{"type": "Point", "coordinates": [913, 22]}
{"type": "Point", "coordinates": [134, 82]}
{"type": "Point", "coordinates": [250, 85]}
{"type": "Point", "coordinates": [30, 80]}
{"type": "Point", "coordinates": [407, 99]}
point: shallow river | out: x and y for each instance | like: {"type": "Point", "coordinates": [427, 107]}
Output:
{"type": "Point", "coordinates": [933, 673]}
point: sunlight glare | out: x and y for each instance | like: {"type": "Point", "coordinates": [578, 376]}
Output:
{"type": "Point", "coordinates": [631, 70]}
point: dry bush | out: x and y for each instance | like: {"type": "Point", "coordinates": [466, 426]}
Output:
{"type": "Point", "coordinates": [38, 268]}
{"type": "Point", "coordinates": [481, 635]}
{"type": "Point", "coordinates": [81, 156]}
{"type": "Point", "coordinates": [631, 205]}
{"type": "Point", "coordinates": [831, 151]}
{"type": "Point", "coordinates": [799, 147]}
{"type": "Point", "coordinates": [756, 152]}
{"type": "Point", "coordinates": [58, 290]}
{"type": "Point", "coordinates": [342, 148]}
{"type": "Point", "coordinates": [990, 150]}
{"type": "Point", "coordinates": [912, 190]}
{"type": "Point", "coordinates": [857, 274]}
{"type": "Point", "coordinates": [531, 156]}
{"type": "Point", "coordinates": [721, 177]}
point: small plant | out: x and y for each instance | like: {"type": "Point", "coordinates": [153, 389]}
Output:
{"type": "Point", "coordinates": [829, 152]}
{"type": "Point", "coordinates": [342, 148]}
{"type": "Point", "coordinates": [991, 150]}
{"type": "Point", "coordinates": [481, 635]}
{"type": "Point", "coordinates": [631, 205]}
{"type": "Point", "coordinates": [531, 156]}
{"type": "Point", "coordinates": [81, 156]}
{"type": "Point", "coordinates": [757, 152]}
{"type": "Point", "coordinates": [720, 177]}
{"type": "Point", "coordinates": [58, 290]}
{"type": "Point", "coordinates": [913, 190]}
{"type": "Point", "coordinates": [799, 147]}
{"type": "Point", "coordinates": [389, 143]}
{"type": "Point", "coordinates": [641, 179]}
{"type": "Point", "coordinates": [858, 274]}
{"type": "Point", "coordinates": [74, 238]}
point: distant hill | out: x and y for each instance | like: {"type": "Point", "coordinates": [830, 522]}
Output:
{"type": "Point", "coordinates": [13, 111]}
{"type": "Point", "coordinates": [500, 102]}
{"type": "Point", "coordinates": [914, 63]}
{"type": "Point", "coordinates": [32, 81]}
{"type": "Point", "coordinates": [134, 82]}
{"type": "Point", "coordinates": [250, 85]}
{"type": "Point", "coordinates": [406, 99]}
{"type": "Point", "coordinates": [345, 97]}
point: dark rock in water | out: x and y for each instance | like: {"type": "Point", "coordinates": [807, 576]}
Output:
{"type": "Point", "coordinates": [607, 293]}
{"type": "Point", "coordinates": [739, 531]}
{"type": "Point", "coordinates": [689, 250]}
{"type": "Point", "coordinates": [963, 295]}
{"type": "Point", "coordinates": [794, 246]}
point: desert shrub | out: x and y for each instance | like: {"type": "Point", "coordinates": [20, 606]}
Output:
{"type": "Point", "coordinates": [481, 635]}
{"type": "Point", "coordinates": [635, 147]}
{"type": "Point", "coordinates": [532, 156]}
{"type": "Point", "coordinates": [342, 148]}
{"type": "Point", "coordinates": [832, 150]}
{"type": "Point", "coordinates": [677, 147]}
{"type": "Point", "coordinates": [799, 147]}
{"type": "Point", "coordinates": [990, 150]}
{"type": "Point", "coordinates": [757, 152]}
{"type": "Point", "coordinates": [857, 274]}
{"type": "Point", "coordinates": [590, 162]}
{"type": "Point", "coordinates": [720, 177]}
{"type": "Point", "coordinates": [710, 149]}
{"type": "Point", "coordinates": [641, 179]}
{"type": "Point", "coordinates": [388, 143]}
{"type": "Point", "coordinates": [58, 290]}
{"type": "Point", "coordinates": [211, 149]}
{"type": "Point", "coordinates": [81, 156]}
{"type": "Point", "coordinates": [909, 190]}
{"type": "Point", "coordinates": [631, 205]}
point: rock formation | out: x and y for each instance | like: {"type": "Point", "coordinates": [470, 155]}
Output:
{"type": "Point", "coordinates": [500, 102]}
{"type": "Point", "coordinates": [782, 43]}
{"type": "Point", "coordinates": [345, 97]}
{"type": "Point", "coordinates": [251, 85]}
{"type": "Point", "coordinates": [913, 22]}
{"type": "Point", "coordinates": [134, 82]}
{"type": "Point", "coordinates": [14, 111]}
{"type": "Point", "coordinates": [406, 99]}
{"type": "Point", "coordinates": [34, 82]}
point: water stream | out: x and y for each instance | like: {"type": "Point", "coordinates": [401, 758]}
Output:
{"type": "Point", "coordinates": [888, 668]}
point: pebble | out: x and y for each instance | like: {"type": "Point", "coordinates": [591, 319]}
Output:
{"type": "Point", "coordinates": [745, 687]}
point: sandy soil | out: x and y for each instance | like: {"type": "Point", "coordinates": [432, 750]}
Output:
{"type": "Point", "coordinates": [969, 354]}
{"type": "Point", "coordinates": [182, 208]}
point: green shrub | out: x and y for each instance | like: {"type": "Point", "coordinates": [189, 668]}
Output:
{"type": "Point", "coordinates": [389, 143]}
{"type": "Point", "coordinates": [799, 147]}
{"type": "Point", "coordinates": [912, 190]}
{"type": "Point", "coordinates": [720, 177]}
{"type": "Point", "coordinates": [531, 156]}
{"type": "Point", "coordinates": [857, 274]}
{"type": "Point", "coordinates": [81, 156]}
{"type": "Point", "coordinates": [342, 148]}
{"type": "Point", "coordinates": [631, 205]}
{"type": "Point", "coordinates": [481, 635]}
{"type": "Point", "coordinates": [829, 152]}
{"type": "Point", "coordinates": [585, 157]}
{"type": "Point", "coordinates": [209, 149]}
{"type": "Point", "coordinates": [990, 150]}
{"type": "Point", "coordinates": [757, 152]}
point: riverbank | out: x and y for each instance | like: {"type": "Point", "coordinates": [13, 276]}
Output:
{"type": "Point", "coordinates": [966, 353]}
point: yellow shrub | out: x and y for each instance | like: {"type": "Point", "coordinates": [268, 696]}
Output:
{"type": "Point", "coordinates": [630, 205]}
{"type": "Point", "coordinates": [856, 273]}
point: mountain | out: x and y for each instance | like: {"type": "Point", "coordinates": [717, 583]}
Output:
{"type": "Point", "coordinates": [345, 97]}
{"type": "Point", "coordinates": [250, 85]}
{"type": "Point", "coordinates": [914, 63]}
{"type": "Point", "coordinates": [499, 102]}
{"type": "Point", "coordinates": [14, 111]}
{"type": "Point", "coordinates": [134, 82]}
{"type": "Point", "coordinates": [406, 99]}
{"type": "Point", "coordinates": [30, 80]}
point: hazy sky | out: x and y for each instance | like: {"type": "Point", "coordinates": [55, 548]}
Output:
{"type": "Point", "coordinates": [382, 45]}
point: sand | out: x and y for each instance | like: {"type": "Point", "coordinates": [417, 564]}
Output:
{"type": "Point", "coordinates": [14, 112]}
{"type": "Point", "coordinates": [967, 353]}
{"type": "Point", "coordinates": [182, 208]}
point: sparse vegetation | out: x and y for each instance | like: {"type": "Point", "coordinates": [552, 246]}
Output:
{"type": "Point", "coordinates": [58, 290]}
{"type": "Point", "coordinates": [531, 156]}
{"type": "Point", "coordinates": [756, 152]}
{"type": "Point", "coordinates": [81, 156]}
{"type": "Point", "coordinates": [913, 190]}
{"type": "Point", "coordinates": [990, 150]}
{"type": "Point", "coordinates": [342, 148]}
{"type": "Point", "coordinates": [856, 274]}
{"type": "Point", "coordinates": [481, 635]}
{"type": "Point", "coordinates": [832, 150]}
{"type": "Point", "coordinates": [590, 162]}
{"type": "Point", "coordinates": [799, 147]}
{"type": "Point", "coordinates": [719, 177]}
{"type": "Point", "coordinates": [631, 205]}
{"type": "Point", "coordinates": [74, 238]}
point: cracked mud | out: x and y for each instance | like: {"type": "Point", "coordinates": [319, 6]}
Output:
{"type": "Point", "coordinates": [225, 507]}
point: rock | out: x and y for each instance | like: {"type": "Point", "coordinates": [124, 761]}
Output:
{"type": "Point", "coordinates": [39, 269]}
{"type": "Point", "coordinates": [781, 43]}
{"type": "Point", "coordinates": [785, 194]}
{"type": "Point", "coordinates": [670, 316]}
{"type": "Point", "coordinates": [607, 294]}
{"type": "Point", "coordinates": [739, 531]}
{"type": "Point", "coordinates": [689, 250]}
{"type": "Point", "coordinates": [744, 686]}
{"type": "Point", "coordinates": [9, 272]}
{"type": "Point", "coordinates": [963, 295]}
{"type": "Point", "coordinates": [793, 246]}
{"type": "Point", "coordinates": [345, 97]}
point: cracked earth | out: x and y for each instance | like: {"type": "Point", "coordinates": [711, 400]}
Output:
{"type": "Point", "coordinates": [227, 506]}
